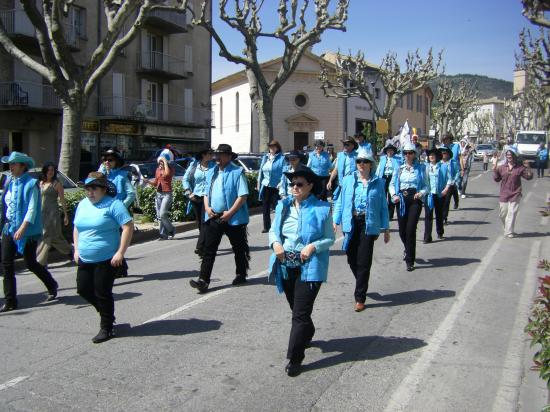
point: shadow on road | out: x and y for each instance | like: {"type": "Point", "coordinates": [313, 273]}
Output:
{"type": "Point", "coordinates": [176, 274]}
{"type": "Point", "coordinates": [531, 234]}
{"type": "Point", "coordinates": [445, 261]}
{"type": "Point", "coordinates": [477, 209]}
{"type": "Point", "coordinates": [470, 222]}
{"type": "Point", "coordinates": [77, 300]}
{"type": "Point", "coordinates": [337, 252]}
{"type": "Point", "coordinates": [249, 282]}
{"type": "Point", "coordinates": [408, 298]}
{"type": "Point", "coordinates": [466, 238]}
{"type": "Point", "coordinates": [362, 348]}
{"type": "Point", "coordinates": [168, 327]}
{"type": "Point", "coordinates": [479, 195]}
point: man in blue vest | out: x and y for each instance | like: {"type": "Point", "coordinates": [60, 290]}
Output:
{"type": "Point", "coordinates": [226, 212]}
{"type": "Point", "coordinates": [21, 224]}
{"type": "Point", "coordinates": [455, 158]}
{"type": "Point", "coordinates": [343, 165]}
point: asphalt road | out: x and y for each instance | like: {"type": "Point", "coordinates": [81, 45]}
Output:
{"type": "Point", "coordinates": [446, 337]}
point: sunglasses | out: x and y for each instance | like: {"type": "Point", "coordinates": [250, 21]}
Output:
{"type": "Point", "coordinates": [409, 153]}
{"type": "Point", "coordinates": [348, 144]}
{"type": "Point", "coordinates": [363, 161]}
{"type": "Point", "coordinates": [293, 158]}
{"type": "Point", "coordinates": [110, 160]}
{"type": "Point", "coordinates": [297, 184]}
{"type": "Point", "coordinates": [92, 187]}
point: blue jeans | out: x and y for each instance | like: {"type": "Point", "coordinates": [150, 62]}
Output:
{"type": "Point", "coordinates": [163, 204]}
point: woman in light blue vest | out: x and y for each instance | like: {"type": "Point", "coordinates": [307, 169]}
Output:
{"type": "Point", "coordinates": [449, 167]}
{"type": "Point", "coordinates": [439, 184]}
{"type": "Point", "coordinates": [294, 159]}
{"type": "Point", "coordinates": [300, 237]}
{"type": "Point", "coordinates": [343, 165]}
{"type": "Point", "coordinates": [112, 168]}
{"type": "Point", "coordinates": [389, 163]}
{"type": "Point", "coordinates": [194, 186]}
{"type": "Point", "coordinates": [319, 161]}
{"type": "Point", "coordinates": [407, 188]}
{"type": "Point", "coordinates": [271, 171]}
{"type": "Point", "coordinates": [362, 210]}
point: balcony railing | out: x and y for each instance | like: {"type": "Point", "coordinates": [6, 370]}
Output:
{"type": "Point", "coordinates": [16, 22]}
{"type": "Point", "coordinates": [161, 64]}
{"type": "Point", "coordinates": [29, 94]}
{"type": "Point", "coordinates": [168, 20]}
{"type": "Point", "coordinates": [124, 107]}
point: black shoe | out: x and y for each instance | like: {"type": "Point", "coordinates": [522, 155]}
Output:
{"type": "Point", "coordinates": [239, 280]}
{"type": "Point", "coordinates": [445, 222]}
{"type": "Point", "coordinates": [52, 294]}
{"type": "Point", "coordinates": [265, 230]}
{"type": "Point", "coordinates": [8, 307]}
{"type": "Point", "coordinates": [427, 241]}
{"type": "Point", "coordinates": [103, 335]}
{"type": "Point", "coordinates": [410, 268]}
{"type": "Point", "coordinates": [293, 369]}
{"type": "Point", "coordinates": [162, 238]}
{"type": "Point", "coordinates": [441, 237]}
{"type": "Point", "coordinates": [455, 207]}
{"type": "Point", "coordinates": [200, 284]}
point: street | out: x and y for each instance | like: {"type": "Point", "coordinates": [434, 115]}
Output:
{"type": "Point", "coordinates": [445, 337]}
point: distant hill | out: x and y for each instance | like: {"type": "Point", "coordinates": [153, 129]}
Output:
{"type": "Point", "coordinates": [487, 86]}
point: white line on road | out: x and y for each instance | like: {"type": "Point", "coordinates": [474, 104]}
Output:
{"type": "Point", "coordinates": [475, 178]}
{"type": "Point", "coordinates": [207, 297]}
{"type": "Point", "coordinates": [12, 382]}
{"type": "Point", "coordinates": [402, 396]}
{"type": "Point", "coordinates": [512, 369]}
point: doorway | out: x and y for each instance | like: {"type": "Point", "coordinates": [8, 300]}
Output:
{"type": "Point", "coordinates": [16, 142]}
{"type": "Point", "coordinates": [301, 139]}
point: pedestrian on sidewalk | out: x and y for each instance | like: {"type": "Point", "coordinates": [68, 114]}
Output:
{"type": "Point", "coordinates": [408, 187]}
{"type": "Point", "coordinates": [466, 158]}
{"type": "Point", "coordinates": [542, 159]}
{"type": "Point", "coordinates": [21, 224]}
{"type": "Point", "coordinates": [449, 167]}
{"type": "Point", "coordinates": [509, 175]}
{"type": "Point", "coordinates": [319, 161]}
{"type": "Point", "coordinates": [362, 210]}
{"type": "Point", "coordinates": [194, 185]}
{"type": "Point", "coordinates": [53, 195]}
{"type": "Point", "coordinates": [294, 159]}
{"type": "Point", "coordinates": [100, 247]}
{"type": "Point", "coordinates": [439, 184]}
{"type": "Point", "coordinates": [485, 161]}
{"type": "Point", "coordinates": [301, 236]}
{"type": "Point", "coordinates": [271, 171]}
{"type": "Point", "coordinates": [163, 198]}
{"type": "Point", "coordinates": [343, 165]}
{"type": "Point", "coordinates": [226, 213]}
{"type": "Point", "coordinates": [388, 166]}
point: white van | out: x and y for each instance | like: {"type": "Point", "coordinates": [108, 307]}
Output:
{"type": "Point", "coordinates": [528, 141]}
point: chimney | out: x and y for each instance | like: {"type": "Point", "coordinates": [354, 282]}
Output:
{"type": "Point", "coordinates": [520, 79]}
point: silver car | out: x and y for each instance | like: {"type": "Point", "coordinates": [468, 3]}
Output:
{"type": "Point", "coordinates": [483, 148]}
{"type": "Point", "coordinates": [65, 180]}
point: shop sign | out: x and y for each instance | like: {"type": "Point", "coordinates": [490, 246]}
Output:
{"type": "Point", "coordinates": [90, 126]}
{"type": "Point", "coordinates": [120, 128]}
{"type": "Point", "coordinates": [174, 132]}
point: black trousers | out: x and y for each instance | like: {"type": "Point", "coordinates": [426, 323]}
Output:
{"type": "Point", "coordinates": [454, 194]}
{"type": "Point", "coordinates": [269, 201]}
{"type": "Point", "coordinates": [451, 193]}
{"type": "Point", "coordinates": [485, 166]}
{"type": "Point", "coordinates": [407, 226]}
{"type": "Point", "coordinates": [323, 180]}
{"type": "Point", "coordinates": [359, 252]}
{"type": "Point", "coordinates": [94, 282]}
{"type": "Point", "coordinates": [9, 250]}
{"type": "Point", "coordinates": [198, 211]}
{"type": "Point", "coordinates": [541, 165]}
{"type": "Point", "coordinates": [391, 205]}
{"type": "Point", "coordinates": [464, 183]}
{"type": "Point", "coordinates": [429, 218]}
{"type": "Point", "coordinates": [213, 231]}
{"type": "Point", "coordinates": [301, 297]}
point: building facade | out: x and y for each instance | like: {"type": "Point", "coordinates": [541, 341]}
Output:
{"type": "Point", "coordinates": [157, 92]}
{"type": "Point", "coordinates": [416, 108]}
{"type": "Point", "coordinates": [486, 122]}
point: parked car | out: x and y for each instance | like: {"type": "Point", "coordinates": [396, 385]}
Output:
{"type": "Point", "coordinates": [184, 162]}
{"type": "Point", "coordinates": [483, 148]}
{"type": "Point", "coordinates": [68, 184]}
{"type": "Point", "coordinates": [140, 172]}
{"type": "Point", "coordinates": [249, 162]}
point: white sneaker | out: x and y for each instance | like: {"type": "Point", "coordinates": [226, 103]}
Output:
{"type": "Point", "coordinates": [463, 196]}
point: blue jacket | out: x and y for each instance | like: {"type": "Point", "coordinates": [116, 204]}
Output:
{"type": "Point", "coordinates": [125, 192]}
{"type": "Point", "coordinates": [313, 214]}
{"type": "Point", "coordinates": [376, 218]}
{"type": "Point", "coordinates": [320, 165]}
{"type": "Point", "coordinates": [382, 165]}
{"type": "Point", "coordinates": [276, 172]}
{"type": "Point", "coordinates": [340, 159]}
{"type": "Point", "coordinates": [188, 182]}
{"type": "Point", "coordinates": [284, 188]}
{"type": "Point", "coordinates": [542, 154]}
{"type": "Point", "coordinates": [452, 169]}
{"type": "Point", "coordinates": [442, 178]}
{"type": "Point", "coordinates": [231, 176]}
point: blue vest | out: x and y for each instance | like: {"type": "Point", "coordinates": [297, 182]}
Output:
{"type": "Point", "coordinates": [313, 214]}
{"type": "Point", "coordinates": [285, 189]}
{"type": "Point", "coordinates": [451, 169]}
{"type": "Point", "coordinates": [376, 218]}
{"type": "Point", "coordinates": [543, 154]}
{"type": "Point", "coordinates": [441, 178]}
{"type": "Point", "coordinates": [231, 176]}
{"type": "Point", "coordinates": [420, 182]}
{"type": "Point", "coordinates": [276, 172]}
{"type": "Point", "coordinates": [382, 165]}
{"type": "Point", "coordinates": [119, 177]}
{"type": "Point", "coordinates": [320, 165]}
{"type": "Point", "coordinates": [340, 160]}
{"type": "Point", "coordinates": [188, 181]}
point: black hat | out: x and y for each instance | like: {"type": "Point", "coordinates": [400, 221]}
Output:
{"type": "Point", "coordinates": [446, 149]}
{"type": "Point", "coordinates": [388, 147]}
{"type": "Point", "coordinates": [352, 141]}
{"type": "Point", "coordinates": [434, 151]}
{"type": "Point", "coordinates": [225, 148]}
{"type": "Point", "coordinates": [319, 142]}
{"type": "Point", "coordinates": [112, 152]}
{"type": "Point", "coordinates": [99, 179]}
{"type": "Point", "coordinates": [200, 154]}
{"type": "Point", "coordinates": [294, 153]}
{"type": "Point", "coordinates": [309, 175]}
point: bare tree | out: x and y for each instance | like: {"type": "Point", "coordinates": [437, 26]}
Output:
{"type": "Point", "coordinates": [74, 81]}
{"type": "Point", "coordinates": [534, 11]}
{"type": "Point", "coordinates": [517, 114]}
{"type": "Point", "coordinates": [482, 123]}
{"type": "Point", "coordinates": [535, 56]}
{"type": "Point", "coordinates": [354, 77]}
{"type": "Point", "coordinates": [454, 105]}
{"type": "Point", "coordinates": [292, 31]}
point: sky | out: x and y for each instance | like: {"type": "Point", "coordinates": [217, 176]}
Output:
{"type": "Point", "coordinates": [477, 36]}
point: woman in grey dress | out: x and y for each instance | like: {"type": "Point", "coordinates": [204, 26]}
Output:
{"type": "Point", "coordinates": [52, 190]}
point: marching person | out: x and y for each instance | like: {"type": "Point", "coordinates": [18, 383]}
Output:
{"type": "Point", "coordinates": [542, 159]}
{"type": "Point", "coordinates": [466, 158]}
{"type": "Point", "coordinates": [439, 184]}
{"type": "Point", "coordinates": [163, 199]}
{"type": "Point", "coordinates": [343, 165]}
{"type": "Point", "coordinates": [271, 171]}
{"type": "Point", "coordinates": [300, 237]}
{"type": "Point", "coordinates": [21, 228]}
{"type": "Point", "coordinates": [53, 194]}
{"type": "Point", "coordinates": [509, 175]}
{"type": "Point", "coordinates": [362, 211]}
{"type": "Point", "coordinates": [407, 188]}
{"type": "Point", "coordinates": [363, 143]}
{"type": "Point", "coordinates": [112, 168]}
{"type": "Point", "coordinates": [99, 247]}
{"type": "Point", "coordinates": [388, 166]}
{"type": "Point", "coordinates": [448, 167]}
{"type": "Point", "coordinates": [194, 186]}
{"type": "Point", "coordinates": [226, 212]}
{"type": "Point", "coordinates": [447, 141]}
{"type": "Point", "coordinates": [319, 161]}
{"type": "Point", "coordinates": [294, 159]}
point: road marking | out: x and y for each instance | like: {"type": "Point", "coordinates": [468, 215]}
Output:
{"type": "Point", "coordinates": [207, 297]}
{"type": "Point", "coordinates": [12, 382]}
{"type": "Point", "coordinates": [402, 396]}
{"type": "Point", "coordinates": [512, 369]}
{"type": "Point", "coordinates": [475, 178]}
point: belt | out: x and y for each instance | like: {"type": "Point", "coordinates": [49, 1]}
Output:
{"type": "Point", "coordinates": [409, 191]}
{"type": "Point", "coordinates": [359, 214]}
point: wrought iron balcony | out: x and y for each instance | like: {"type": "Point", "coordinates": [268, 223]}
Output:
{"type": "Point", "coordinates": [28, 94]}
{"type": "Point", "coordinates": [161, 64]}
{"type": "Point", "coordinates": [168, 21]}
